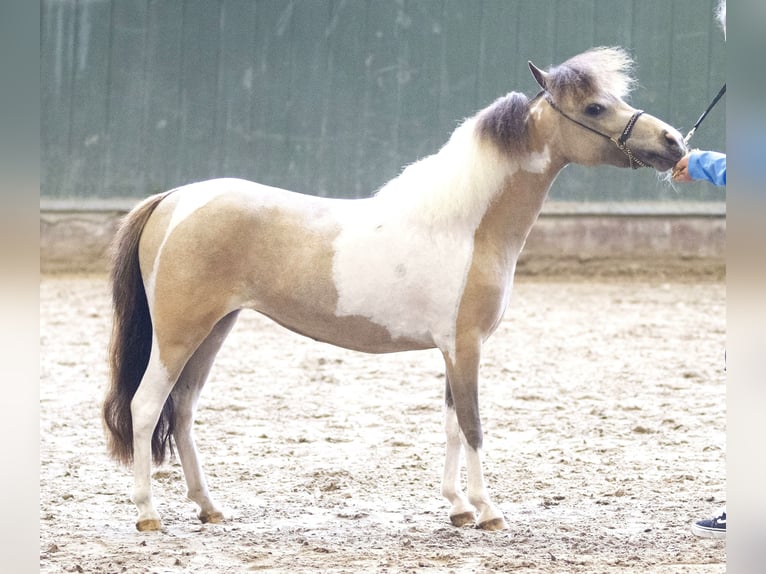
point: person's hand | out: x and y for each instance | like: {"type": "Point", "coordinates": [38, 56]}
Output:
{"type": "Point", "coordinates": [681, 170]}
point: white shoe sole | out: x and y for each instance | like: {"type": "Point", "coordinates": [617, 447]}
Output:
{"type": "Point", "coordinates": [708, 532]}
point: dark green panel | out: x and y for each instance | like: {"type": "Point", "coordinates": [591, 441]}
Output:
{"type": "Point", "coordinates": [238, 46]}
{"type": "Point", "coordinates": [272, 100]}
{"type": "Point", "coordinates": [574, 30]}
{"type": "Point", "coordinates": [535, 31]}
{"type": "Point", "coordinates": [421, 131]}
{"type": "Point", "coordinates": [688, 62]}
{"type": "Point", "coordinates": [125, 172]}
{"type": "Point", "coordinates": [89, 130]}
{"type": "Point", "coordinates": [57, 48]}
{"type": "Point", "coordinates": [612, 23]}
{"type": "Point", "coordinates": [163, 112]}
{"type": "Point", "coordinates": [380, 105]}
{"type": "Point", "coordinates": [334, 97]}
{"type": "Point", "coordinates": [460, 75]}
{"type": "Point", "coordinates": [307, 140]}
{"type": "Point", "coordinates": [500, 62]}
{"type": "Point", "coordinates": [201, 136]}
{"type": "Point", "coordinates": [347, 175]}
{"type": "Point", "coordinates": [652, 39]}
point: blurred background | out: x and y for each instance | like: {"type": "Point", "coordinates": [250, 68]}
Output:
{"type": "Point", "coordinates": [334, 97]}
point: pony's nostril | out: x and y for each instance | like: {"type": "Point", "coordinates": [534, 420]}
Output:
{"type": "Point", "coordinates": [673, 140]}
{"type": "Point", "coordinates": [669, 138]}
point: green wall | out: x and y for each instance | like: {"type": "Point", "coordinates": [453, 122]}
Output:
{"type": "Point", "coordinates": [334, 97]}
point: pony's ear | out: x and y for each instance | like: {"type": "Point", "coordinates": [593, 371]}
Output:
{"type": "Point", "coordinates": [540, 76]}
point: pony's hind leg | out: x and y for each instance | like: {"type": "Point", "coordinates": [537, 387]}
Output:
{"type": "Point", "coordinates": [185, 395]}
{"type": "Point", "coordinates": [168, 359]}
{"type": "Point", "coordinates": [146, 407]}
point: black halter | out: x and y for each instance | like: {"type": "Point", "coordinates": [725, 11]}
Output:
{"type": "Point", "coordinates": [619, 142]}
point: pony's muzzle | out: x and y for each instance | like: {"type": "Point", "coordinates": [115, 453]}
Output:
{"type": "Point", "coordinates": [675, 141]}
{"type": "Point", "coordinates": [671, 149]}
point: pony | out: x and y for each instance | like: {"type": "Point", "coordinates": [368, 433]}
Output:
{"type": "Point", "coordinates": [427, 262]}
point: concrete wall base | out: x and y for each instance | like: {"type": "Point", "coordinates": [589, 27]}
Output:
{"type": "Point", "coordinates": [627, 244]}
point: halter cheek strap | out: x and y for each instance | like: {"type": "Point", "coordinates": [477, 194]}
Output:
{"type": "Point", "coordinates": [620, 142]}
{"type": "Point", "coordinates": [635, 163]}
{"type": "Point", "coordinates": [629, 127]}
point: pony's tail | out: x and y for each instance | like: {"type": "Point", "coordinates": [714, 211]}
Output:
{"type": "Point", "coordinates": [131, 342]}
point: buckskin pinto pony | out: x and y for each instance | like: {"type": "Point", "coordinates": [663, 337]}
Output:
{"type": "Point", "coordinates": [427, 262]}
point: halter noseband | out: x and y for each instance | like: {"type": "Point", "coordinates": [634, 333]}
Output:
{"type": "Point", "coordinates": [619, 142]}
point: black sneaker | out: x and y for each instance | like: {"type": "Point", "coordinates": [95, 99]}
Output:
{"type": "Point", "coordinates": [714, 527]}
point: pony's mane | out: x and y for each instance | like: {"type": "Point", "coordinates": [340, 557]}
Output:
{"type": "Point", "coordinates": [599, 70]}
{"type": "Point", "coordinates": [504, 123]}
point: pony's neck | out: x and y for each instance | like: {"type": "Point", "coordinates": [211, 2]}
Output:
{"type": "Point", "coordinates": [517, 205]}
{"type": "Point", "coordinates": [511, 216]}
{"type": "Point", "coordinates": [471, 181]}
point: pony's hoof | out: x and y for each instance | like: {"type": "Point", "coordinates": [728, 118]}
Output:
{"type": "Point", "coordinates": [462, 519]}
{"type": "Point", "coordinates": [211, 517]}
{"type": "Point", "coordinates": [493, 524]}
{"type": "Point", "coordinates": [148, 525]}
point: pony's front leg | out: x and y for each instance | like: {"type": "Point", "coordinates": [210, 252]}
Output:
{"type": "Point", "coordinates": [462, 512]}
{"type": "Point", "coordinates": [462, 378]}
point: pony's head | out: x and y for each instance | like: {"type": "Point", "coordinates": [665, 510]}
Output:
{"type": "Point", "coordinates": [594, 125]}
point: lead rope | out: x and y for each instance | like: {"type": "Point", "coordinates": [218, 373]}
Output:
{"type": "Point", "coordinates": [718, 96]}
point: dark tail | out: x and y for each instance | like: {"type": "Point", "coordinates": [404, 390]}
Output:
{"type": "Point", "coordinates": [131, 342]}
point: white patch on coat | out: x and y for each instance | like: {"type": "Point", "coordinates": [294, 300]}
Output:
{"type": "Point", "coordinates": [402, 257]}
{"type": "Point", "coordinates": [538, 162]}
{"type": "Point", "coordinates": [405, 278]}
{"type": "Point", "coordinates": [536, 111]}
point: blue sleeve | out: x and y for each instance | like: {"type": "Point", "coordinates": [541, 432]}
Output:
{"type": "Point", "coordinates": [708, 166]}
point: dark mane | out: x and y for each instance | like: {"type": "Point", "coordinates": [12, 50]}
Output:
{"type": "Point", "coordinates": [504, 122]}
{"type": "Point", "coordinates": [599, 70]}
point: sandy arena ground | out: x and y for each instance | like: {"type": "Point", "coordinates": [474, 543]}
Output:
{"type": "Point", "coordinates": [604, 413]}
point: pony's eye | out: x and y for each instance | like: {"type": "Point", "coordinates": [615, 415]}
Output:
{"type": "Point", "coordinates": [594, 110]}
